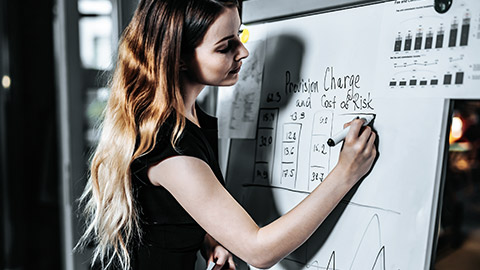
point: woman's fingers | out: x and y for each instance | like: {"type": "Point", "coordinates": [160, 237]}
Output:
{"type": "Point", "coordinates": [371, 140]}
{"type": "Point", "coordinates": [349, 123]}
{"type": "Point", "coordinates": [355, 127]}
{"type": "Point", "coordinates": [358, 152]}
{"type": "Point", "coordinates": [365, 135]}
{"type": "Point", "coordinates": [231, 263]}
{"type": "Point", "coordinates": [224, 259]}
{"type": "Point", "coordinates": [220, 262]}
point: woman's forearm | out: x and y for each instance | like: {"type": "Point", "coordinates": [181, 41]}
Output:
{"type": "Point", "coordinates": [207, 201]}
{"type": "Point", "coordinates": [279, 238]}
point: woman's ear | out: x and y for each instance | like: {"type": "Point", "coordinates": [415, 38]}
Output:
{"type": "Point", "coordinates": [183, 65]}
{"type": "Point", "coordinates": [186, 61]}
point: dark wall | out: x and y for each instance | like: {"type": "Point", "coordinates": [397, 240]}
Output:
{"type": "Point", "coordinates": [31, 184]}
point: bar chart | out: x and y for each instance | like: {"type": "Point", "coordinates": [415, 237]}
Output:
{"type": "Point", "coordinates": [418, 40]}
{"type": "Point", "coordinates": [448, 78]}
{"type": "Point", "coordinates": [432, 51]}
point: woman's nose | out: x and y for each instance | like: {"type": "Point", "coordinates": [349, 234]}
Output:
{"type": "Point", "coordinates": [242, 52]}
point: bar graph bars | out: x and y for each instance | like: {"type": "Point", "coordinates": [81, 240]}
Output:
{"type": "Point", "coordinates": [465, 32]}
{"type": "Point", "coordinates": [447, 79]}
{"type": "Point", "coordinates": [439, 40]}
{"type": "Point", "coordinates": [398, 44]}
{"type": "Point", "coordinates": [418, 41]}
{"type": "Point", "coordinates": [457, 36]}
{"type": "Point", "coordinates": [416, 36]}
{"type": "Point", "coordinates": [408, 42]}
{"type": "Point", "coordinates": [429, 41]}
{"type": "Point", "coordinates": [453, 35]}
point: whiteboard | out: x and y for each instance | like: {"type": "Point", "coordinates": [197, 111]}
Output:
{"type": "Point", "coordinates": [323, 70]}
{"type": "Point", "coordinates": [388, 215]}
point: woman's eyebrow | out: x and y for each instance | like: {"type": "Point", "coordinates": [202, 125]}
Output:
{"type": "Point", "coordinates": [225, 38]}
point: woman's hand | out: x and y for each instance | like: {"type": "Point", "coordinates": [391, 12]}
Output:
{"type": "Point", "coordinates": [214, 252]}
{"type": "Point", "coordinates": [222, 258]}
{"type": "Point", "coordinates": [359, 150]}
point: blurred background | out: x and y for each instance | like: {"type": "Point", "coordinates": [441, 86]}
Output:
{"type": "Point", "coordinates": [55, 59]}
{"type": "Point", "coordinates": [458, 245]}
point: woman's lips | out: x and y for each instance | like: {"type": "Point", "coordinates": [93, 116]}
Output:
{"type": "Point", "coordinates": [236, 70]}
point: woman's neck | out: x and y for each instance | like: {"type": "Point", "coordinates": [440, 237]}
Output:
{"type": "Point", "coordinates": [190, 92]}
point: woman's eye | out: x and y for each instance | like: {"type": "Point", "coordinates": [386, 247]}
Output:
{"type": "Point", "coordinates": [228, 48]}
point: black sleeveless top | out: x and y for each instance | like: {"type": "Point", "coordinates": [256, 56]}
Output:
{"type": "Point", "coordinates": [171, 238]}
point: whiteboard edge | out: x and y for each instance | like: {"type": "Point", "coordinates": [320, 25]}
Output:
{"type": "Point", "coordinates": [254, 12]}
{"type": "Point", "coordinates": [438, 187]}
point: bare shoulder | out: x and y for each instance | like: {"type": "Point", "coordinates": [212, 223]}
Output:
{"type": "Point", "coordinates": [186, 178]}
{"type": "Point", "coordinates": [177, 168]}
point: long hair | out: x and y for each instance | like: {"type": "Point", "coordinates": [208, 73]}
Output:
{"type": "Point", "coordinates": [145, 90]}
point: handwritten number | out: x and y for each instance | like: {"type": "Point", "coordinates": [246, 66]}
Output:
{"type": "Point", "coordinates": [297, 116]}
{"type": "Point", "coordinates": [262, 174]}
{"type": "Point", "coordinates": [268, 117]}
{"type": "Point", "coordinates": [291, 135]}
{"type": "Point", "coordinates": [323, 150]}
{"type": "Point", "coordinates": [288, 173]}
{"type": "Point", "coordinates": [289, 150]}
{"type": "Point", "coordinates": [265, 141]}
{"type": "Point", "coordinates": [274, 97]}
{"type": "Point", "coordinates": [317, 177]}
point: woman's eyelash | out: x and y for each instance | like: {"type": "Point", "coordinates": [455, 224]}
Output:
{"type": "Point", "coordinates": [228, 48]}
{"type": "Point", "coordinates": [225, 50]}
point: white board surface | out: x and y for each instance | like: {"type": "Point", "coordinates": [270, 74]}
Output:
{"type": "Point", "coordinates": [322, 71]}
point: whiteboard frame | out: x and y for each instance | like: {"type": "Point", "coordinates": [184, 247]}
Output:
{"type": "Point", "coordinates": [255, 11]}
{"type": "Point", "coordinates": [263, 11]}
{"type": "Point", "coordinates": [440, 187]}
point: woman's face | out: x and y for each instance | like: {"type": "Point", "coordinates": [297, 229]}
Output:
{"type": "Point", "coordinates": [218, 58]}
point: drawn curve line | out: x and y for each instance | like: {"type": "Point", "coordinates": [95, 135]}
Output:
{"type": "Point", "coordinates": [331, 262]}
{"type": "Point", "coordinates": [332, 259]}
{"type": "Point", "coordinates": [247, 185]}
{"type": "Point", "coordinates": [316, 264]}
{"type": "Point", "coordinates": [382, 249]}
{"type": "Point", "coordinates": [371, 207]}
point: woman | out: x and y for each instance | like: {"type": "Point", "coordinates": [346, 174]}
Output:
{"type": "Point", "coordinates": [155, 195]}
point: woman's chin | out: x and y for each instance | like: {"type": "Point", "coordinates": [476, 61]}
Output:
{"type": "Point", "coordinates": [229, 82]}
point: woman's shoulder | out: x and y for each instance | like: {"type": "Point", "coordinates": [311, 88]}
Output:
{"type": "Point", "coordinates": [189, 143]}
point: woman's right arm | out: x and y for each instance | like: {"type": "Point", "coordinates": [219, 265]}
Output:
{"type": "Point", "coordinates": [195, 187]}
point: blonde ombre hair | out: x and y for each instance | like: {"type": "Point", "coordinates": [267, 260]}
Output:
{"type": "Point", "coordinates": [145, 90]}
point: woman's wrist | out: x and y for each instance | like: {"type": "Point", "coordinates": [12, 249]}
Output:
{"type": "Point", "coordinates": [342, 174]}
{"type": "Point", "coordinates": [208, 245]}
